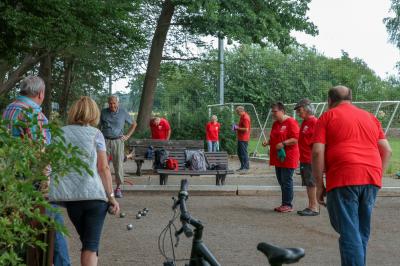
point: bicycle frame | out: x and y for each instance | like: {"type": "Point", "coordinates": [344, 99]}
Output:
{"type": "Point", "coordinates": [200, 255]}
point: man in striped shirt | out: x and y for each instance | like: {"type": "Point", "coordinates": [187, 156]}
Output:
{"type": "Point", "coordinates": [26, 105]}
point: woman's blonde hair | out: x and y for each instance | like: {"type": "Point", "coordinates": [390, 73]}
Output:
{"type": "Point", "coordinates": [84, 112]}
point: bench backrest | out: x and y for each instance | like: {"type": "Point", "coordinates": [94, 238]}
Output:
{"type": "Point", "coordinates": [141, 145]}
{"type": "Point", "coordinates": [220, 157]}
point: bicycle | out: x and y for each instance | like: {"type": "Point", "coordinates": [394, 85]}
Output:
{"type": "Point", "coordinates": [200, 254]}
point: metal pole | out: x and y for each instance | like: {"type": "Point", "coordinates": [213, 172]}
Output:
{"type": "Point", "coordinates": [110, 84]}
{"type": "Point", "coordinates": [391, 118]}
{"type": "Point", "coordinates": [221, 69]}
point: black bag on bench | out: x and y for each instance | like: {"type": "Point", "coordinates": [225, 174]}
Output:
{"type": "Point", "coordinates": [160, 157]}
{"type": "Point", "coordinates": [218, 166]}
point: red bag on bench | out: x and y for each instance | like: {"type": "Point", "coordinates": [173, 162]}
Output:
{"type": "Point", "coordinates": [172, 164]}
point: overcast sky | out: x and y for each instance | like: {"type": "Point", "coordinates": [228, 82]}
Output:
{"type": "Point", "coordinates": [355, 26]}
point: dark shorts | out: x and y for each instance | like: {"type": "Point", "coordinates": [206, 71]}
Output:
{"type": "Point", "coordinates": [307, 178]}
{"type": "Point", "coordinates": [88, 218]}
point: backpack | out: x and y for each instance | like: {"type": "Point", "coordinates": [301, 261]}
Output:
{"type": "Point", "coordinates": [172, 164]}
{"type": "Point", "coordinates": [149, 153]}
{"type": "Point", "coordinates": [198, 161]}
{"type": "Point", "coordinates": [160, 156]}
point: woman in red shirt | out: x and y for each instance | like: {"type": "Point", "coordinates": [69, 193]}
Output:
{"type": "Point", "coordinates": [284, 152]}
{"type": "Point", "coordinates": [212, 134]}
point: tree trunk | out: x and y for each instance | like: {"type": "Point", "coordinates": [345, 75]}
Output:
{"type": "Point", "coordinates": [67, 80]}
{"type": "Point", "coordinates": [153, 65]}
{"type": "Point", "coordinates": [45, 74]}
{"type": "Point", "coordinates": [15, 76]}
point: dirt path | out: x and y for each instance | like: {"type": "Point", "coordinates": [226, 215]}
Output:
{"type": "Point", "coordinates": [234, 226]}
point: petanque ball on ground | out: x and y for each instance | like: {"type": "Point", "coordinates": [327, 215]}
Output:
{"type": "Point", "coordinates": [138, 216]}
{"type": "Point", "coordinates": [129, 227]}
{"type": "Point", "coordinates": [122, 215]}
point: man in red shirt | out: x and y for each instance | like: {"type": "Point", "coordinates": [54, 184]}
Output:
{"type": "Point", "coordinates": [350, 145]}
{"type": "Point", "coordinates": [243, 137]}
{"type": "Point", "coordinates": [305, 111]}
{"type": "Point", "coordinates": [160, 128]}
{"type": "Point", "coordinates": [212, 134]}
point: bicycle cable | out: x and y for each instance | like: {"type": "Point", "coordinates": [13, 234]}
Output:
{"type": "Point", "coordinates": [162, 237]}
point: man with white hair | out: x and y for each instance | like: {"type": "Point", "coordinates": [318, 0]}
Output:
{"type": "Point", "coordinates": [305, 111]}
{"type": "Point", "coordinates": [31, 96]}
{"type": "Point", "coordinates": [112, 123]}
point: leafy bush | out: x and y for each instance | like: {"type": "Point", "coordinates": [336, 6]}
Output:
{"type": "Point", "coordinates": [22, 167]}
{"type": "Point", "coordinates": [188, 125]}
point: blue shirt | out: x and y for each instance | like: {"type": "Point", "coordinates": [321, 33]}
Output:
{"type": "Point", "coordinates": [112, 123]}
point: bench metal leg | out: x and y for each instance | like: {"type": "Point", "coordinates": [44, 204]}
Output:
{"type": "Point", "coordinates": [139, 167]}
{"type": "Point", "coordinates": [217, 180]}
{"type": "Point", "coordinates": [223, 179]}
{"type": "Point", "coordinates": [163, 179]}
{"type": "Point", "coordinates": [220, 180]}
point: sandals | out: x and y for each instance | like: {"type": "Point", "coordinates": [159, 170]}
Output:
{"type": "Point", "coordinates": [307, 212]}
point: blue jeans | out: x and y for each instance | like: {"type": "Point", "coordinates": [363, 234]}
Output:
{"type": "Point", "coordinates": [88, 218]}
{"type": "Point", "coordinates": [350, 210]}
{"type": "Point", "coordinates": [61, 255]}
{"type": "Point", "coordinates": [242, 154]}
{"type": "Point", "coordinates": [212, 145]}
{"type": "Point", "coordinates": [285, 180]}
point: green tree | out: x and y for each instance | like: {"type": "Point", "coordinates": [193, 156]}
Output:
{"type": "Point", "coordinates": [98, 37]}
{"type": "Point", "coordinates": [22, 164]}
{"type": "Point", "coordinates": [245, 21]}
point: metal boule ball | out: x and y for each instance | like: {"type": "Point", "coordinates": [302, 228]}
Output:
{"type": "Point", "coordinates": [144, 213]}
{"type": "Point", "coordinates": [110, 210]}
{"type": "Point", "coordinates": [138, 216]}
{"type": "Point", "coordinates": [129, 227]}
{"type": "Point", "coordinates": [122, 215]}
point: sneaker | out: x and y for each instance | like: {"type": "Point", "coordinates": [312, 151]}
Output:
{"type": "Point", "coordinates": [118, 193]}
{"type": "Point", "coordinates": [307, 212]}
{"type": "Point", "coordinates": [277, 208]}
{"type": "Point", "coordinates": [284, 208]}
{"type": "Point", "coordinates": [239, 170]}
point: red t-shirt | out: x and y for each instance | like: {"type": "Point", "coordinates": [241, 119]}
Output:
{"type": "Point", "coordinates": [351, 136]}
{"type": "Point", "coordinates": [305, 139]}
{"type": "Point", "coordinates": [282, 131]}
{"type": "Point", "coordinates": [212, 131]}
{"type": "Point", "coordinates": [160, 131]}
{"type": "Point", "coordinates": [244, 122]}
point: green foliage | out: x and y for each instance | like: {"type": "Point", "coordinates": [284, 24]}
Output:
{"type": "Point", "coordinates": [187, 125]}
{"type": "Point", "coordinates": [262, 22]}
{"type": "Point", "coordinates": [22, 166]}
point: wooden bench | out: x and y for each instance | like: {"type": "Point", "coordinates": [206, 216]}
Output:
{"type": "Point", "coordinates": [140, 146]}
{"type": "Point", "coordinates": [212, 158]}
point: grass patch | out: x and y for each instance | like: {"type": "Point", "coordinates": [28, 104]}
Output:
{"type": "Point", "coordinates": [393, 168]}
{"type": "Point", "coordinates": [394, 165]}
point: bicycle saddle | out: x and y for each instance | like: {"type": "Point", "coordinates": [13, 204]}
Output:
{"type": "Point", "coordinates": [277, 255]}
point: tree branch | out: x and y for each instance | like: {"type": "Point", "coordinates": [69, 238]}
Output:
{"type": "Point", "coordinates": [167, 58]}
{"type": "Point", "coordinates": [15, 76]}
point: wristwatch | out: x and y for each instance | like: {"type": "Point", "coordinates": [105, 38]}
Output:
{"type": "Point", "coordinates": [111, 195]}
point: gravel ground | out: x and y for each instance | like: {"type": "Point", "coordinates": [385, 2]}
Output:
{"type": "Point", "coordinates": [233, 227]}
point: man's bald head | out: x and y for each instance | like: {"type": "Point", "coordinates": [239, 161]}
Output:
{"type": "Point", "coordinates": [338, 94]}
